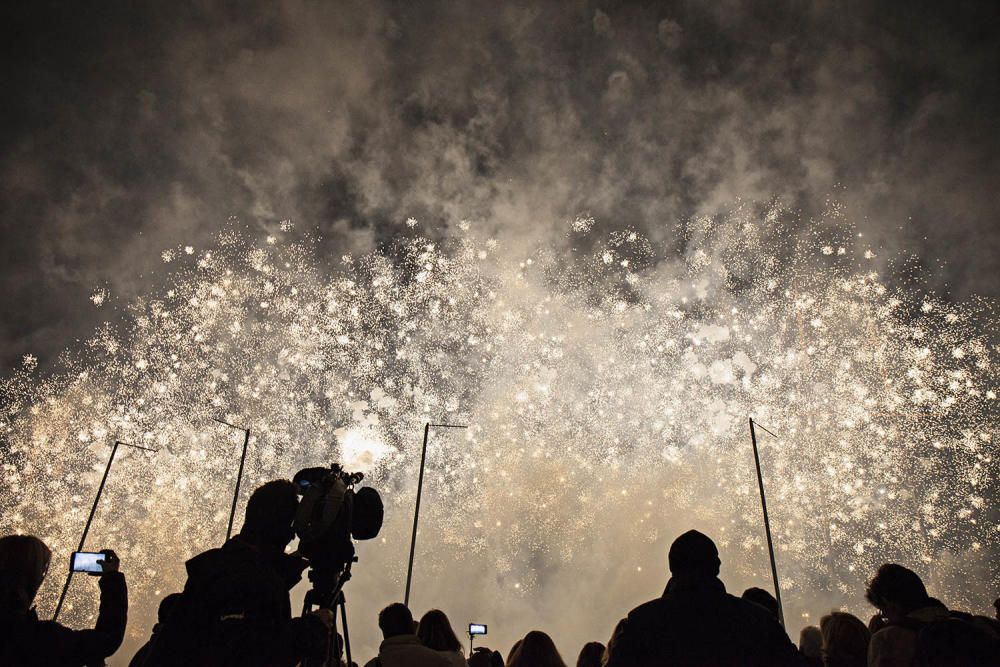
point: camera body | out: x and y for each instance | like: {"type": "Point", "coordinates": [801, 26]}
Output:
{"type": "Point", "coordinates": [330, 516]}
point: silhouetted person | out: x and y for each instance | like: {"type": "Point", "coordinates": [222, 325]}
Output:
{"type": "Point", "coordinates": [956, 641]}
{"type": "Point", "coordinates": [902, 599]}
{"type": "Point", "coordinates": [811, 646]}
{"type": "Point", "coordinates": [512, 651]}
{"type": "Point", "coordinates": [696, 622]}
{"type": "Point", "coordinates": [166, 607]}
{"type": "Point", "coordinates": [400, 646]}
{"type": "Point", "coordinates": [235, 608]}
{"type": "Point", "coordinates": [845, 640]}
{"type": "Point", "coordinates": [763, 598]}
{"type": "Point", "coordinates": [536, 650]}
{"type": "Point", "coordinates": [485, 657]}
{"type": "Point", "coordinates": [434, 631]}
{"type": "Point", "coordinates": [591, 655]}
{"type": "Point", "coordinates": [25, 640]}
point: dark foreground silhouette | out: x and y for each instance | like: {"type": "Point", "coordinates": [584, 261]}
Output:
{"type": "Point", "coordinates": [235, 610]}
{"type": "Point", "coordinates": [27, 640]}
{"type": "Point", "coordinates": [672, 629]}
{"type": "Point", "coordinates": [235, 607]}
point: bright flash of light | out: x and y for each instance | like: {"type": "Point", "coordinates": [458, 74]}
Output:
{"type": "Point", "coordinates": [361, 449]}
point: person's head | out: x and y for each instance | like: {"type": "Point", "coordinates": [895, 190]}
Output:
{"type": "Point", "coordinates": [270, 513]}
{"type": "Point", "coordinates": [167, 605]}
{"type": "Point", "coordinates": [24, 561]}
{"type": "Point", "coordinates": [395, 620]}
{"type": "Point", "coordinates": [896, 591]}
{"type": "Point", "coordinates": [811, 642]}
{"type": "Point", "coordinates": [591, 655]}
{"type": "Point", "coordinates": [513, 650]}
{"type": "Point", "coordinates": [536, 650]}
{"type": "Point", "coordinates": [845, 639]}
{"type": "Point", "coordinates": [694, 554]}
{"type": "Point", "coordinates": [434, 631]}
{"type": "Point", "coordinates": [762, 598]}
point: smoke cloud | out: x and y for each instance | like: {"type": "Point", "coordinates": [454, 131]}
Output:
{"type": "Point", "coordinates": [135, 128]}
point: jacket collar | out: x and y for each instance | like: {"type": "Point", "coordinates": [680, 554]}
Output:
{"type": "Point", "coordinates": [693, 583]}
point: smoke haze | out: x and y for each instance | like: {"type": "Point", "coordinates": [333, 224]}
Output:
{"type": "Point", "coordinates": [132, 129]}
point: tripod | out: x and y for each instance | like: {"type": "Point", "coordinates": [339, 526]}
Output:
{"type": "Point", "coordinates": [328, 593]}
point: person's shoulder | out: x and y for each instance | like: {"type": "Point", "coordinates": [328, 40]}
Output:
{"type": "Point", "coordinates": [423, 656]}
{"type": "Point", "coordinates": [454, 658]}
{"type": "Point", "coordinates": [203, 561]}
{"type": "Point", "coordinates": [747, 610]}
{"type": "Point", "coordinates": [437, 657]}
{"type": "Point", "coordinates": [233, 559]}
{"type": "Point", "coordinates": [892, 640]}
{"type": "Point", "coordinates": [893, 633]}
{"type": "Point", "coordinates": [650, 607]}
{"type": "Point", "coordinates": [646, 616]}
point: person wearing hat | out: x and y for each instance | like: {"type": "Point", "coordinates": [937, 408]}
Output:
{"type": "Point", "coordinates": [696, 622]}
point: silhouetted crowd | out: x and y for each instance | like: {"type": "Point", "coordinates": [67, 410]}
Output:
{"type": "Point", "coordinates": [235, 610]}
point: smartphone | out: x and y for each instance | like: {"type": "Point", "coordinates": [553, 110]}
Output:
{"type": "Point", "coordinates": [477, 629]}
{"type": "Point", "coordinates": [86, 561]}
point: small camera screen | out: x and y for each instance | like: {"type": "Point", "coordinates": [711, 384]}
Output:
{"type": "Point", "coordinates": [83, 561]}
{"type": "Point", "coordinates": [477, 629]}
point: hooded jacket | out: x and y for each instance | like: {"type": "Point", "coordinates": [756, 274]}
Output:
{"type": "Point", "coordinates": [25, 640]}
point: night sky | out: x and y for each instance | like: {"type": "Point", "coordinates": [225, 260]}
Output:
{"type": "Point", "coordinates": [127, 128]}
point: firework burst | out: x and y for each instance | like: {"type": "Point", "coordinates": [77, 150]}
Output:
{"type": "Point", "coordinates": [601, 381]}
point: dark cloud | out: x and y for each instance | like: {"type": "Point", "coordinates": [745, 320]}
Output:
{"type": "Point", "coordinates": [134, 127]}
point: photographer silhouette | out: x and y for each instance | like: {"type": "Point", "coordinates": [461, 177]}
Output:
{"type": "Point", "coordinates": [235, 608]}
{"type": "Point", "coordinates": [26, 640]}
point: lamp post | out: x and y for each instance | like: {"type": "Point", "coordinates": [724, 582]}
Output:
{"type": "Point", "coordinates": [767, 522]}
{"type": "Point", "coordinates": [239, 475]}
{"type": "Point", "coordinates": [416, 511]}
{"type": "Point", "coordinates": [93, 509]}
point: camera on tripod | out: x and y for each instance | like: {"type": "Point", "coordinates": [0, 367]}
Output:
{"type": "Point", "coordinates": [331, 515]}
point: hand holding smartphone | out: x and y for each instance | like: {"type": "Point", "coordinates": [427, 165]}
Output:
{"type": "Point", "coordinates": [94, 563]}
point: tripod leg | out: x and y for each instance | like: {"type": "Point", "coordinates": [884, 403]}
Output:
{"type": "Point", "coordinates": [347, 636]}
{"type": "Point", "coordinates": [331, 645]}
